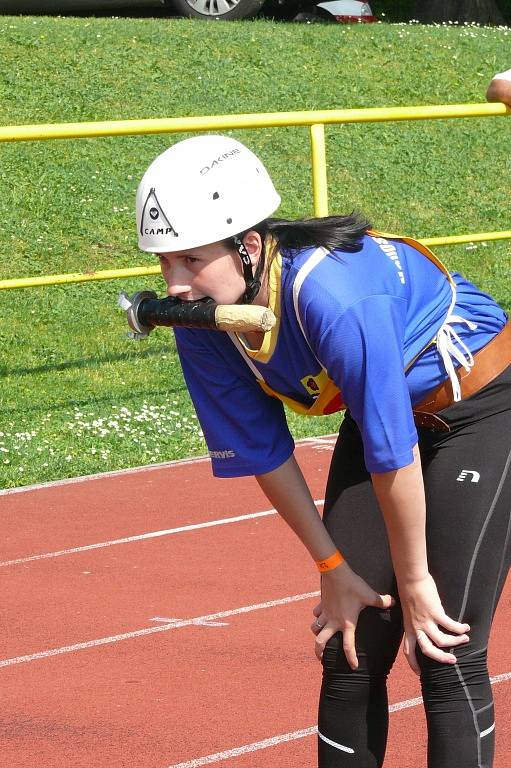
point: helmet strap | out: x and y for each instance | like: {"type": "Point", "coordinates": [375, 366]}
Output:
{"type": "Point", "coordinates": [252, 282]}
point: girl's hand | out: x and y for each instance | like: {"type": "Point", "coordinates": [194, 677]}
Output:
{"type": "Point", "coordinates": [343, 596]}
{"type": "Point", "coordinates": [424, 616]}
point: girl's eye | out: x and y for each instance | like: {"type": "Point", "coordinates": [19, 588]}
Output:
{"type": "Point", "coordinates": [191, 260]}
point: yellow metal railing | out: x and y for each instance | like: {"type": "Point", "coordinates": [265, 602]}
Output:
{"type": "Point", "coordinates": [110, 274]}
{"type": "Point", "coordinates": [316, 120]}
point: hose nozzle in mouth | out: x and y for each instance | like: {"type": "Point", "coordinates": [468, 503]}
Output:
{"type": "Point", "coordinates": [131, 305]}
{"type": "Point", "coordinates": [145, 311]}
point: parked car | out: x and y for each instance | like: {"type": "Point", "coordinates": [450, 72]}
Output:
{"type": "Point", "coordinates": [213, 10]}
{"type": "Point", "coordinates": [348, 11]}
{"type": "Point", "coordinates": [216, 9]}
{"type": "Point", "coordinates": [344, 11]}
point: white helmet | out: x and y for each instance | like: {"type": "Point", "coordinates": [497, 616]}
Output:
{"type": "Point", "coordinates": [200, 191]}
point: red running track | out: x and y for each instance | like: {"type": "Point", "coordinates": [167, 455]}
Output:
{"type": "Point", "coordinates": [145, 625]}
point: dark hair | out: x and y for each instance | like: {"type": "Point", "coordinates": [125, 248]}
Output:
{"type": "Point", "coordinates": [331, 232]}
{"type": "Point", "coordinates": [342, 233]}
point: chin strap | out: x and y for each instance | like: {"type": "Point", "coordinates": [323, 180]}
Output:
{"type": "Point", "coordinates": [252, 282]}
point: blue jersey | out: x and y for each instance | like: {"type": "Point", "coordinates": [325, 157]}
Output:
{"type": "Point", "coordinates": [354, 330]}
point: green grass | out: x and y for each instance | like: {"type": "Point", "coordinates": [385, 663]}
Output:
{"type": "Point", "coordinates": [75, 395]}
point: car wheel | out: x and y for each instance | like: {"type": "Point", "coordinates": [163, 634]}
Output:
{"type": "Point", "coordinates": [216, 9]}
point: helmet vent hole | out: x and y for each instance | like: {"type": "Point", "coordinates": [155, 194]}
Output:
{"type": "Point", "coordinates": [229, 221]}
{"type": "Point", "coordinates": [215, 195]}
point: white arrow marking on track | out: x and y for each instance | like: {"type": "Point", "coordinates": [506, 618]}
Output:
{"type": "Point", "coordinates": [151, 630]}
{"type": "Point", "coordinates": [199, 622]}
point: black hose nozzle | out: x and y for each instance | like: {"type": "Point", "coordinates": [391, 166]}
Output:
{"type": "Point", "coordinates": [145, 311]}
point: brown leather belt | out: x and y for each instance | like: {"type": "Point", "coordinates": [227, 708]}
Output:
{"type": "Point", "coordinates": [489, 362]}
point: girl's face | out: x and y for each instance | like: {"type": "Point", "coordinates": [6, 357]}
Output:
{"type": "Point", "coordinates": [210, 270]}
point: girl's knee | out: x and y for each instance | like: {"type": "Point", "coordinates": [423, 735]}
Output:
{"type": "Point", "coordinates": [373, 663]}
{"type": "Point", "coordinates": [467, 680]}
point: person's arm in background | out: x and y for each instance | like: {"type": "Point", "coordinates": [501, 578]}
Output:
{"type": "Point", "coordinates": [500, 88]}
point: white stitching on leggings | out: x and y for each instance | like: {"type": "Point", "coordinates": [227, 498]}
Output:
{"type": "Point", "coordinates": [465, 598]}
{"type": "Point", "coordinates": [481, 535]}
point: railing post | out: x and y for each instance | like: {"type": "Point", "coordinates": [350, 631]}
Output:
{"type": "Point", "coordinates": [319, 176]}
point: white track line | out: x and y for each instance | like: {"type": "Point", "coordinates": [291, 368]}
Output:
{"type": "Point", "coordinates": [145, 468]}
{"type": "Point", "coordinates": [103, 475]}
{"type": "Point", "coordinates": [284, 737]}
{"type": "Point", "coordinates": [198, 620]}
{"type": "Point", "coordinates": [326, 440]}
{"type": "Point", "coordinates": [142, 536]}
{"type": "Point", "coordinates": [246, 748]}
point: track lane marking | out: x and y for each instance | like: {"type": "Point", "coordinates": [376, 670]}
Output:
{"type": "Point", "coordinates": [294, 735]}
{"type": "Point", "coordinates": [302, 443]}
{"type": "Point", "coordinates": [201, 623]}
{"type": "Point", "coordinates": [142, 536]}
{"type": "Point", "coordinates": [246, 748]}
{"type": "Point", "coordinates": [104, 475]}
{"type": "Point", "coordinates": [196, 621]}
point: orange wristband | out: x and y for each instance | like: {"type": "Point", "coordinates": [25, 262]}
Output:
{"type": "Point", "coordinates": [330, 563]}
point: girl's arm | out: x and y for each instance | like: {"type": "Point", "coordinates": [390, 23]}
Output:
{"type": "Point", "coordinates": [401, 499]}
{"type": "Point", "coordinates": [344, 594]}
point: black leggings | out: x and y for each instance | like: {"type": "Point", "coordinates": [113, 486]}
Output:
{"type": "Point", "coordinates": [467, 477]}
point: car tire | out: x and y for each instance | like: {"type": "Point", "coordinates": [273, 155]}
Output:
{"type": "Point", "coordinates": [215, 10]}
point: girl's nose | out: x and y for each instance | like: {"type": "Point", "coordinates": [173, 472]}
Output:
{"type": "Point", "coordinates": [177, 278]}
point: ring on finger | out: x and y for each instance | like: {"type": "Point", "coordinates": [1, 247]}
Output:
{"type": "Point", "coordinates": [319, 624]}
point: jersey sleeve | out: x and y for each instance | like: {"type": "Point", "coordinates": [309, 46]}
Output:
{"type": "Point", "coordinates": [245, 429]}
{"type": "Point", "coordinates": [503, 75]}
{"type": "Point", "coordinates": [362, 350]}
